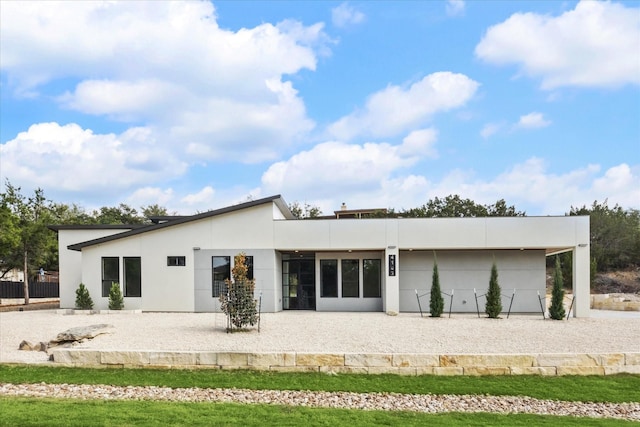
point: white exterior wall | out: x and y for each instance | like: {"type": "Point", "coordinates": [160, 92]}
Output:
{"type": "Point", "coordinates": [465, 249]}
{"type": "Point", "coordinates": [264, 272]}
{"type": "Point", "coordinates": [462, 271]}
{"type": "Point", "coordinates": [166, 288]}
{"type": "Point", "coordinates": [348, 304]}
{"type": "Point", "coordinates": [70, 262]}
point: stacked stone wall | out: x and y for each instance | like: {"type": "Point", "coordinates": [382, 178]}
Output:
{"type": "Point", "coordinates": [362, 363]}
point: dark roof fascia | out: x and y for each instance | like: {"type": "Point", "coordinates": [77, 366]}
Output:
{"type": "Point", "coordinates": [56, 227]}
{"type": "Point", "coordinates": [229, 209]}
{"type": "Point", "coordinates": [164, 218]}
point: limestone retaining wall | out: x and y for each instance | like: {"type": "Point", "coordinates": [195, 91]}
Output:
{"type": "Point", "coordinates": [367, 363]}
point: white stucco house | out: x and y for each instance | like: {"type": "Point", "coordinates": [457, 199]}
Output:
{"type": "Point", "coordinates": [330, 264]}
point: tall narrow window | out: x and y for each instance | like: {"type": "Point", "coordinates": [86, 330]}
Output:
{"type": "Point", "coordinates": [248, 259]}
{"type": "Point", "coordinates": [221, 272]}
{"type": "Point", "coordinates": [132, 277]}
{"type": "Point", "coordinates": [371, 273]}
{"type": "Point", "coordinates": [329, 278]}
{"type": "Point", "coordinates": [110, 273]}
{"type": "Point", "coordinates": [350, 278]}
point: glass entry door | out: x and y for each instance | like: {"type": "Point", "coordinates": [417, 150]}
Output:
{"type": "Point", "coordinates": [299, 281]}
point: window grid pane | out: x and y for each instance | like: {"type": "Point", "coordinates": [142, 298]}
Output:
{"type": "Point", "coordinates": [329, 278]}
{"type": "Point", "coordinates": [371, 278]}
{"type": "Point", "coordinates": [110, 273]}
{"type": "Point", "coordinates": [132, 277]}
{"type": "Point", "coordinates": [248, 259]}
{"type": "Point", "coordinates": [350, 278]}
{"type": "Point", "coordinates": [221, 272]}
{"type": "Point", "coordinates": [176, 261]}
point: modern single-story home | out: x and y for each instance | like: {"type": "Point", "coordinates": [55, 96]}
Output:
{"type": "Point", "coordinates": [348, 262]}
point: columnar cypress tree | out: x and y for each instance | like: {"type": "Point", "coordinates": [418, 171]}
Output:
{"type": "Point", "coordinates": [238, 303]}
{"type": "Point", "coordinates": [556, 310]}
{"type": "Point", "coordinates": [116, 302]}
{"type": "Point", "coordinates": [83, 299]}
{"type": "Point", "coordinates": [494, 302]}
{"type": "Point", "coordinates": [436, 302]}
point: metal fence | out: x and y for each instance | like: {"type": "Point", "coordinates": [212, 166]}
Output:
{"type": "Point", "coordinates": [36, 289]}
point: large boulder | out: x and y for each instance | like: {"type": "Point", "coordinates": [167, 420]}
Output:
{"type": "Point", "coordinates": [82, 333]}
{"type": "Point", "coordinates": [69, 337]}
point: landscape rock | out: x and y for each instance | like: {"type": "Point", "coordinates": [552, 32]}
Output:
{"type": "Point", "coordinates": [83, 332]}
{"type": "Point", "coordinates": [68, 337]}
{"type": "Point", "coordinates": [27, 346]}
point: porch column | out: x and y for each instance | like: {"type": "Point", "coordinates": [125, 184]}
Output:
{"type": "Point", "coordinates": [581, 281]}
{"type": "Point", "coordinates": [391, 300]}
{"type": "Point", "coordinates": [582, 270]}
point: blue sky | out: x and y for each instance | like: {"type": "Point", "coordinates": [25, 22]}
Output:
{"type": "Point", "coordinates": [198, 105]}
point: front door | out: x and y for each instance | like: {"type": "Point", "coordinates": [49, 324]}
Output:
{"type": "Point", "coordinates": [299, 281]}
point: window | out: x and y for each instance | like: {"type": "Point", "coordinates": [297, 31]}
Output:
{"type": "Point", "coordinates": [221, 272]}
{"type": "Point", "coordinates": [329, 278]}
{"type": "Point", "coordinates": [248, 259]}
{"type": "Point", "coordinates": [110, 273]}
{"type": "Point", "coordinates": [371, 274]}
{"type": "Point", "coordinates": [176, 261]}
{"type": "Point", "coordinates": [350, 278]}
{"type": "Point", "coordinates": [132, 277]}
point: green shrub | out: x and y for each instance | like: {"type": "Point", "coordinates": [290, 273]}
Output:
{"type": "Point", "coordinates": [83, 299]}
{"type": "Point", "coordinates": [116, 302]}
{"type": "Point", "coordinates": [556, 310]}
{"type": "Point", "coordinates": [436, 302]}
{"type": "Point", "coordinates": [494, 302]}
{"type": "Point", "coordinates": [238, 303]}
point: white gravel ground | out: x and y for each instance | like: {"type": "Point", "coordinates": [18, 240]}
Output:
{"type": "Point", "coordinates": [326, 332]}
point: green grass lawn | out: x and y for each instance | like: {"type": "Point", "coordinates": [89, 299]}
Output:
{"type": "Point", "coordinates": [615, 388]}
{"type": "Point", "coordinates": [50, 412]}
{"type": "Point", "coordinates": [39, 412]}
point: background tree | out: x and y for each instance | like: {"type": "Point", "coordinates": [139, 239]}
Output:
{"type": "Point", "coordinates": [122, 214]}
{"type": "Point", "coordinates": [556, 310]}
{"type": "Point", "coordinates": [304, 211]}
{"type": "Point", "coordinates": [239, 302]}
{"type": "Point", "coordinates": [453, 206]}
{"type": "Point", "coordinates": [153, 210]}
{"type": "Point", "coordinates": [615, 235]}
{"type": "Point", "coordinates": [436, 302]}
{"type": "Point", "coordinates": [26, 233]}
{"type": "Point", "coordinates": [494, 299]}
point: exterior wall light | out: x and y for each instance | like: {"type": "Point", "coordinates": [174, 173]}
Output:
{"type": "Point", "coordinates": [582, 245]}
{"type": "Point", "coordinates": [196, 248]}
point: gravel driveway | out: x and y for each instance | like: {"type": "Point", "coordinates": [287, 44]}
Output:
{"type": "Point", "coordinates": [326, 332]}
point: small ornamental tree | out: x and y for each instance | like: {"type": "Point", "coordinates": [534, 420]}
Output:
{"type": "Point", "coordinates": [116, 302]}
{"type": "Point", "coordinates": [556, 310]}
{"type": "Point", "coordinates": [436, 302]}
{"type": "Point", "coordinates": [494, 302]}
{"type": "Point", "coordinates": [238, 303]}
{"type": "Point", "coordinates": [83, 299]}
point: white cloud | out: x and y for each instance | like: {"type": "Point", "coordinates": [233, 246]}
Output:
{"type": "Point", "coordinates": [397, 109]}
{"type": "Point", "coordinates": [169, 66]}
{"type": "Point", "coordinates": [345, 15]}
{"type": "Point", "coordinates": [204, 196]}
{"type": "Point", "coordinates": [70, 158]}
{"type": "Point", "coordinates": [146, 196]}
{"type": "Point", "coordinates": [490, 129]}
{"type": "Point", "coordinates": [455, 7]}
{"type": "Point", "coordinates": [532, 121]}
{"type": "Point", "coordinates": [594, 45]}
{"type": "Point", "coordinates": [419, 143]}
{"type": "Point", "coordinates": [350, 167]}
{"type": "Point", "coordinates": [381, 175]}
